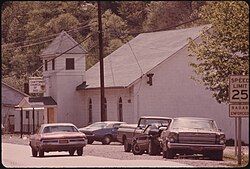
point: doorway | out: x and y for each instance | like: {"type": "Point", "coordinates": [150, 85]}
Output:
{"type": "Point", "coordinates": [50, 115]}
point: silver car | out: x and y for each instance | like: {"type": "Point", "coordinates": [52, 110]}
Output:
{"type": "Point", "coordinates": [193, 135]}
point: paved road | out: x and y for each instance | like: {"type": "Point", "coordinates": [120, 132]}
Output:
{"type": "Point", "coordinates": [14, 155]}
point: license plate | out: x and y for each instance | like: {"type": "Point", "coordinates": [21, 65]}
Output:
{"type": "Point", "coordinates": [63, 141]}
{"type": "Point", "coordinates": [197, 148]}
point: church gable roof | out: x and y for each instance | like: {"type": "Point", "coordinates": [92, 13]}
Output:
{"type": "Point", "coordinates": [62, 43]}
{"type": "Point", "coordinates": [140, 55]}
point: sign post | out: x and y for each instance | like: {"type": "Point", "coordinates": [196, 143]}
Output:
{"type": "Point", "coordinates": [238, 107]}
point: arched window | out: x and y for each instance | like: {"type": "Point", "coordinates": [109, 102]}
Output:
{"type": "Point", "coordinates": [90, 110]}
{"type": "Point", "coordinates": [105, 106]}
{"type": "Point", "coordinates": [120, 115]}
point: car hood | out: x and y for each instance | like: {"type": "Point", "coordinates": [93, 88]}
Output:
{"type": "Point", "coordinates": [90, 129]}
{"type": "Point", "coordinates": [193, 131]}
{"type": "Point", "coordinates": [62, 135]}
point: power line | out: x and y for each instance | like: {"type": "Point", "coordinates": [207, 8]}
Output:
{"type": "Point", "coordinates": [151, 31]}
{"type": "Point", "coordinates": [52, 35]}
{"type": "Point", "coordinates": [135, 58]}
{"type": "Point", "coordinates": [63, 53]}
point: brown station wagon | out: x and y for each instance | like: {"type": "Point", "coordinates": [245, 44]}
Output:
{"type": "Point", "coordinates": [193, 135]}
{"type": "Point", "coordinates": [57, 137]}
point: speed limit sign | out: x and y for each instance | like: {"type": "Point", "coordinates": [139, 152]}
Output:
{"type": "Point", "coordinates": [239, 89]}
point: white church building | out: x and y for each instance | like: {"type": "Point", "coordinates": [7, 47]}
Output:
{"type": "Point", "coordinates": [149, 75]}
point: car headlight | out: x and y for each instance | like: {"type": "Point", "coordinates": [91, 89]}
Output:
{"type": "Point", "coordinates": [222, 139]}
{"type": "Point", "coordinates": [172, 137]}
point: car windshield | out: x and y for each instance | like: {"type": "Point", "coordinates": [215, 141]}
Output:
{"type": "Point", "coordinates": [201, 124]}
{"type": "Point", "coordinates": [52, 129]}
{"type": "Point", "coordinates": [156, 122]}
{"type": "Point", "coordinates": [97, 125]}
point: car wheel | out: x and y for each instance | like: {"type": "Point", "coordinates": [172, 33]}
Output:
{"type": "Point", "coordinates": [136, 149]}
{"type": "Point", "coordinates": [34, 152]}
{"type": "Point", "coordinates": [41, 153]}
{"type": "Point", "coordinates": [71, 152]}
{"type": "Point", "coordinates": [217, 155]}
{"type": "Point", "coordinates": [90, 141]}
{"type": "Point", "coordinates": [164, 154]}
{"type": "Point", "coordinates": [153, 149]}
{"type": "Point", "coordinates": [106, 140]}
{"type": "Point", "coordinates": [127, 146]}
{"type": "Point", "coordinates": [80, 151]}
{"type": "Point", "coordinates": [170, 154]}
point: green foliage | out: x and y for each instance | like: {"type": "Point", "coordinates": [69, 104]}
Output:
{"type": "Point", "coordinates": [134, 13]}
{"type": "Point", "coordinates": [29, 26]}
{"type": "Point", "coordinates": [224, 49]}
{"type": "Point", "coordinates": [164, 14]}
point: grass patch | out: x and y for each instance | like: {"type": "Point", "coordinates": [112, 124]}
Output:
{"type": "Point", "coordinates": [234, 159]}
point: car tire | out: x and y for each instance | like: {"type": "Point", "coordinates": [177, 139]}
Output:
{"type": "Point", "coordinates": [106, 140]}
{"type": "Point", "coordinates": [169, 153]}
{"type": "Point", "coordinates": [164, 154]}
{"type": "Point", "coordinates": [127, 146]}
{"type": "Point", "coordinates": [136, 149]}
{"type": "Point", "coordinates": [153, 149]}
{"type": "Point", "coordinates": [90, 141]}
{"type": "Point", "coordinates": [71, 152]}
{"type": "Point", "coordinates": [34, 152]}
{"type": "Point", "coordinates": [79, 151]}
{"type": "Point", "coordinates": [41, 153]}
{"type": "Point", "coordinates": [217, 155]}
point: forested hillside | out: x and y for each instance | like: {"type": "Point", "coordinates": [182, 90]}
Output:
{"type": "Point", "coordinates": [29, 26]}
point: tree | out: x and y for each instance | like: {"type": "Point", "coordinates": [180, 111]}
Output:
{"type": "Point", "coordinates": [134, 13]}
{"type": "Point", "coordinates": [224, 49]}
{"type": "Point", "coordinates": [112, 24]}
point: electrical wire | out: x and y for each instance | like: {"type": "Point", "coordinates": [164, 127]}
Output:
{"type": "Point", "coordinates": [63, 53]}
{"type": "Point", "coordinates": [52, 35]}
{"type": "Point", "coordinates": [135, 58]}
{"type": "Point", "coordinates": [151, 31]}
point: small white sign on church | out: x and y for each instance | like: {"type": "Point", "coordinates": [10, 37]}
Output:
{"type": "Point", "coordinates": [36, 85]}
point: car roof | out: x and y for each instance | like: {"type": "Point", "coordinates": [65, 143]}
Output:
{"type": "Point", "coordinates": [194, 118]}
{"type": "Point", "coordinates": [110, 122]}
{"type": "Point", "coordinates": [57, 124]}
{"type": "Point", "coordinates": [155, 117]}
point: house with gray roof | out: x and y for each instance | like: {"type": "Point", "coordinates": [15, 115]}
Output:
{"type": "Point", "coordinates": [10, 117]}
{"type": "Point", "coordinates": [149, 75]}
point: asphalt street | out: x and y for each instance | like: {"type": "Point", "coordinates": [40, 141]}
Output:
{"type": "Point", "coordinates": [14, 155]}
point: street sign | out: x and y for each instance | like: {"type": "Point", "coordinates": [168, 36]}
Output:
{"type": "Point", "coordinates": [238, 110]}
{"type": "Point", "coordinates": [238, 89]}
{"type": "Point", "coordinates": [36, 85]}
{"type": "Point", "coordinates": [238, 107]}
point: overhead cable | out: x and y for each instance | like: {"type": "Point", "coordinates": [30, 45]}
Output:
{"type": "Point", "coordinates": [64, 52]}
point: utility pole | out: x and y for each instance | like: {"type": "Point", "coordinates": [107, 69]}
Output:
{"type": "Point", "coordinates": [103, 113]}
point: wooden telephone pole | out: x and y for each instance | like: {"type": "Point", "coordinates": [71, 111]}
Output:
{"type": "Point", "coordinates": [103, 112]}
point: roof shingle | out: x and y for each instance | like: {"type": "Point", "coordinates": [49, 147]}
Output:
{"type": "Point", "coordinates": [124, 66]}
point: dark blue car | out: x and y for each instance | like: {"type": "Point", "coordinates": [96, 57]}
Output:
{"type": "Point", "coordinates": [105, 132]}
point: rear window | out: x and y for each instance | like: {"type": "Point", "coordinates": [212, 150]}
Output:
{"type": "Point", "coordinates": [52, 129]}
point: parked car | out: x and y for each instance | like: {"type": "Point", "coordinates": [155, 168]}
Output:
{"type": "Point", "coordinates": [57, 137]}
{"type": "Point", "coordinates": [193, 135]}
{"type": "Point", "coordinates": [106, 131]}
{"type": "Point", "coordinates": [148, 141]}
{"type": "Point", "coordinates": [131, 134]}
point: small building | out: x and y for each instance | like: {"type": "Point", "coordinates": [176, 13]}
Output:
{"type": "Point", "coordinates": [149, 75]}
{"type": "Point", "coordinates": [41, 108]}
{"type": "Point", "coordinates": [10, 116]}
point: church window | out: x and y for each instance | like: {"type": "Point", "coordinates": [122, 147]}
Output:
{"type": "Point", "coordinates": [90, 111]}
{"type": "Point", "coordinates": [120, 115]}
